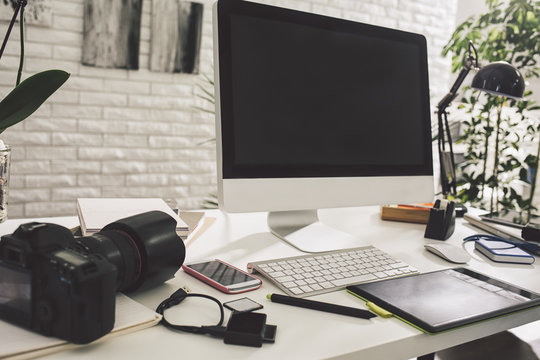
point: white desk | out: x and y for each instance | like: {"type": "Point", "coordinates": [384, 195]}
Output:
{"type": "Point", "coordinates": [303, 333]}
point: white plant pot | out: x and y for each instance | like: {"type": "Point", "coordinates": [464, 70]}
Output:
{"type": "Point", "coordinates": [5, 162]}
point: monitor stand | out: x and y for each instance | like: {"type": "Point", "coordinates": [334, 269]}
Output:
{"type": "Point", "coordinates": [304, 231]}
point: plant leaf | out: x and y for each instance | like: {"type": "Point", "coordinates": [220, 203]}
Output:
{"type": "Point", "coordinates": [28, 96]}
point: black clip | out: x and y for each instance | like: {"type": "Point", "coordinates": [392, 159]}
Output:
{"type": "Point", "coordinates": [442, 220]}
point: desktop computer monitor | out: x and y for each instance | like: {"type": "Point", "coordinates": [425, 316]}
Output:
{"type": "Point", "coordinates": [317, 112]}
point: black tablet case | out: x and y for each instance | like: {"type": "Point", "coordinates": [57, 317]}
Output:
{"type": "Point", "coordinates": [442, 300]}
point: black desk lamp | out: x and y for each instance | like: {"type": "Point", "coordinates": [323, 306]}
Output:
{"type": "Point", "coordinates": [498, 78]}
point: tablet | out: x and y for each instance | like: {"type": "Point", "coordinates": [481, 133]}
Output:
{"type": "Point", "coordinates": [446, 299]}
{"type": "Point", "coordinates": [511, 218]}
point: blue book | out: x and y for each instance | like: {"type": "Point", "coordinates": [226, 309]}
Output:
{"type": "Point", "coordinates": [501, 251]}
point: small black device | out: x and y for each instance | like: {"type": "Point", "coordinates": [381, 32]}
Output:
{"type": "Point", "coordinates": [249, 329]}
{"type": "Point", "coordinates": [223, 276]}
{"type": "Point", "coordinates": [58, 285]}
{"type": "Point", "coordinates": [531, 232]}
{"type": "Point", "coordinates": [243, 305]}
{"type": "Point", "coordinates": [517, 219]}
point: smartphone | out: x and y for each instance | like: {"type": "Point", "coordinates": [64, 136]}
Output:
{"type": "Point", "coordinates": [511, 218]}
{"type": "Point", "coordinates": [223, 276]}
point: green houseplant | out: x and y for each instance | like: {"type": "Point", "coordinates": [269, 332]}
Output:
{"type": "Point", "coordinates": [22, 101]}
{"type": "Point", "coordinates": [497, 130]}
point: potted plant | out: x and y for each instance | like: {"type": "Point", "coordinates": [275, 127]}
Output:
{"type": "Point", "coordinates": [497, 131]}
{"type": "Point", "coordinates": [22, 101]}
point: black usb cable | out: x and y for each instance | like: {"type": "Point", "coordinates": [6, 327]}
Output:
{"type": "Point", "coordinates": [243, 328]}
{"type": "Point", "coordinates": [180, 295]}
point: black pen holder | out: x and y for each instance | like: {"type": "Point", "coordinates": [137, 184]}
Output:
{"type": "Point", "coordinates": [442, 220]}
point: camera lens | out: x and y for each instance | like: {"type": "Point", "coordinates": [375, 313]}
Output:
{"type": "Point", "coordinates": [144, 248]}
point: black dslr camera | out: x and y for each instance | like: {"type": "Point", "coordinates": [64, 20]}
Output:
{"type": "Point", "coordinates": [58, 285]}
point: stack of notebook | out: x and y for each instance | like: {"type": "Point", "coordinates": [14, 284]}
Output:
{"type": "Point", "coordinates": [95, 213]}
{"type": "Point", "coordinates": [507, 232]}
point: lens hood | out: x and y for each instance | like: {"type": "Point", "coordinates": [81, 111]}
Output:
{"type": "Point", "coordinates": [161, 250]}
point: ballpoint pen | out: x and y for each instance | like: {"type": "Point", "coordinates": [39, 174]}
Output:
{"type": "Point", "coordinates": [321, 306]}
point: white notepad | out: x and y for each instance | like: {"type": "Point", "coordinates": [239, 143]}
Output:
{"type": "Point", "coordinates": [95, 213]}
{"type": "Point", "coordinates": [19, 343]}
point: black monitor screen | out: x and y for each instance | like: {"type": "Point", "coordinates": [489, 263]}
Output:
{"type": "Point", "coordinates": [305, 95]}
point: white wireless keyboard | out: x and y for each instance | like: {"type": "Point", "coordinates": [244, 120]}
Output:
{"type": "Point", "coordinates": [314, 274]}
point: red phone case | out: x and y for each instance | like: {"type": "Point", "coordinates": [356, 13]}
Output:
{"type": "Point", "coordinates": [217, 285]}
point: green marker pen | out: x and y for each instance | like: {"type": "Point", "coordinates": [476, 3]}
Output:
{"type": "Point", "coordinates": [320, 306]}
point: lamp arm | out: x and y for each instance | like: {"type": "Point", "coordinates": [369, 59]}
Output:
{"type": "Point", "coordinates": [449, 186]}
{"type": "Point", "coordinates": [470, 63]}
{"type": "Point", "coordinates": [448, 98]}
{"type": "Point", "coordinates": [444, 129]}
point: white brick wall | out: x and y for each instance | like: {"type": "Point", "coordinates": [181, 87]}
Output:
{"type": "Point", "coordinates": [111, 132]}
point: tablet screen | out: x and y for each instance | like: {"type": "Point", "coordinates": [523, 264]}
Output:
{"type": "Point", "coordinates": [512, 218]}
{"type": "Point", "coordinates": [446, 299]}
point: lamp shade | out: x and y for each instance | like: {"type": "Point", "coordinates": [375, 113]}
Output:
{"type": "Point", "coordinates": [500, 78]}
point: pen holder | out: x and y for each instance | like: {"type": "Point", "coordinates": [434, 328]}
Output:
{"type": "Point", "coordinates": [442, 220]}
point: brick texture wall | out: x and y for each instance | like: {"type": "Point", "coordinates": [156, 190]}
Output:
{"type": "Point", "coordinates": [125, 133]}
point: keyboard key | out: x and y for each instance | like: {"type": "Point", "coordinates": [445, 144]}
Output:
{"type": "Point", "coordinates": [326, 285]}
{"type": "Point", "coordinates": [289, 284]}
{"type": "Point", "coordinates": [276, 274]}
{"type": "Point", "coordinates": [353, 280]}
{"type": "Point", "coordinates": [399, 265]}
{"type": "Point", "coordinates": [284, 279]}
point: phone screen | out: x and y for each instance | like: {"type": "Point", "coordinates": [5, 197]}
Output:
{"type": "Point", "coordinates": [221, 273]}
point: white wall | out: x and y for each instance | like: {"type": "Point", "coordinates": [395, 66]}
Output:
{"type": "Point", "coordinates": [120, 133]}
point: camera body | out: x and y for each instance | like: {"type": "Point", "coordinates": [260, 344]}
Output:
{"type": "Point", "coordinates": [53, 289]}
{"type": "Point", "coordinates": [58, 285]}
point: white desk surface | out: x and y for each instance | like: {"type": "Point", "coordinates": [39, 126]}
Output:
{"type": "Point", "coordinates": [302, 333]}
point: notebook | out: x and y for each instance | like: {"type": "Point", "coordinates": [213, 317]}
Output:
{"type": "Point", "coordinates": [503, 231]}
{"type": "Point", "coordinates": [446, 299]}
{"type": "Point", "coordinates": [19, 343]}
{"type": "Point", "coordinates": [95, 213]}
